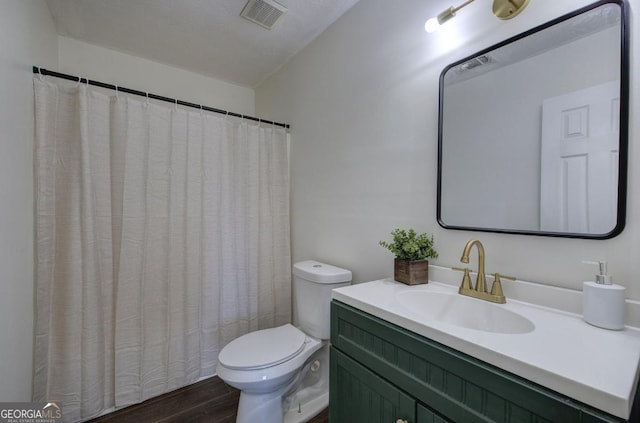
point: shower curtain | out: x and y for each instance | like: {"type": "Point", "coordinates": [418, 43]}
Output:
{"type": "Point", "coordinates": [161, 235]}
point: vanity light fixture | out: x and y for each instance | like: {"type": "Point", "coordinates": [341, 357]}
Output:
{"type": "Point", "coordinates": [502, 9]}
{"type": "Point", "coordinates": [435, 22]}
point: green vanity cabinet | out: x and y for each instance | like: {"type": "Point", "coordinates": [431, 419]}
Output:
{"type": "Point", "coordinates": [381, 372]}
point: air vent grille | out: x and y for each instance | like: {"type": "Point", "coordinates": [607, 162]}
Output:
{"type": "Point", "coordinates": [475, 62]}
{"type": "Point", "coordinates": [263, 12]}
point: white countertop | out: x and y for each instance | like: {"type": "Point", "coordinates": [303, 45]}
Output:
{"type": "Point", "coordinates": [596, 366]}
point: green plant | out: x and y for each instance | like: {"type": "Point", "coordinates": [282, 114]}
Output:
{"type": "Point", "coordinates": [408, 245]}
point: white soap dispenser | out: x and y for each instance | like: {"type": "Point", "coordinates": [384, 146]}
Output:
{"type": "Point", "coordinates": [603, 303]}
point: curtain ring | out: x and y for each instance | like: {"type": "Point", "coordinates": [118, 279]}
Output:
{"type": "Point", "coordinates": [175, 104]}
{"type": "Point", "coordinates": [117, 93]}
{"type": "Point", "coordinates": [147, 98]}
{"type": "Point", "coordinates": [40, 74]}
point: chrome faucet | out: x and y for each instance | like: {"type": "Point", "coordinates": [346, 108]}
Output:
{"type": "Point", "coordinates": [480, 291]}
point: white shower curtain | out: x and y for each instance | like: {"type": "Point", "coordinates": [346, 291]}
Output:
{"type": "Point", "coordinates": [161, 233]}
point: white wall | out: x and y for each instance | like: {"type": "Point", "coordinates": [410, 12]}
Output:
{"type": "Point", "coordinates": [110, 66]}
{"type": "Point", "coordinates": [28, 38]}
{"type": "Point", "coordinates": [362, 101]}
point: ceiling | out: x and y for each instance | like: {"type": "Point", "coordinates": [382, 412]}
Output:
{"type": "Point", "coordinates": [204, 36]}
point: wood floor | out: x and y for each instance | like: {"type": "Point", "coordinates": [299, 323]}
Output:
{"type": "Point", "coordinates": [208, 401]}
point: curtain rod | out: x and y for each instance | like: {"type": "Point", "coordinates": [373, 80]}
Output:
{"type": "Point", "coordinates": [46, 72]}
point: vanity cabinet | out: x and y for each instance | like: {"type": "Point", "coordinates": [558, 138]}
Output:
{"type": "Point", "coordinates": [381, 372]}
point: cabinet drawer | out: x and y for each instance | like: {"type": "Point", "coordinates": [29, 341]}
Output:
{"type": "Point", "coordinates": [454, 384]}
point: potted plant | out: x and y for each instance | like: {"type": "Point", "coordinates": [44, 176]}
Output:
{"type": "Point", "coordinates": [412, 251]}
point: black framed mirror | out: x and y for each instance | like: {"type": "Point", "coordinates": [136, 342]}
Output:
{"type": "Point", "coordinates": [533, 131]}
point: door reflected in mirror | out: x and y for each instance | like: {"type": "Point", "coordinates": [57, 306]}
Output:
{"type": "Point", "coordinates": [532, 135]}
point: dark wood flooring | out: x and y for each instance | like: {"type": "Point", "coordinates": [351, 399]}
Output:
{"type": "Point", "coordinates": [208, 401]}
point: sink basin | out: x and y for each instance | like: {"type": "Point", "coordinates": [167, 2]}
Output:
{"type": "Point", "coordinates": [466, 312]}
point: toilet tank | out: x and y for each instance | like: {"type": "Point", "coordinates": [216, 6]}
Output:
{"type": "Point", "coordinates": [312, 285]}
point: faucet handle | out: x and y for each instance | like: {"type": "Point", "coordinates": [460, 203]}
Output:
{"type": "Point", "coordinates": [496, 288]}
{"type": "Point", "coordinates": [466, 279]}
{"type": "Point", "coordinates": [500, 275]}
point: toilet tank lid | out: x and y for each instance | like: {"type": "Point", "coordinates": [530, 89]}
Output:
{"type": "Point", "coordinates": [315, 271]}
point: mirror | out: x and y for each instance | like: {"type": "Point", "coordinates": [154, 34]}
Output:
{"type": "Point", "coordinates": [532, 135]}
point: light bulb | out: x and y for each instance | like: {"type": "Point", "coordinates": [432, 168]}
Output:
{"type": "Point", "coordinates": [431, 25]}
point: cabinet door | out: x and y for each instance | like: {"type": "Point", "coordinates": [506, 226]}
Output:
{"type": "Point", "coordinates": [357, 395]}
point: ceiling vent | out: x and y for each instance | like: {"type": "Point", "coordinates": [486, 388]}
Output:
{"type": "Point", "coordinates": [475, 62]}
{"type": "Point", "coordinates": [263, 12]}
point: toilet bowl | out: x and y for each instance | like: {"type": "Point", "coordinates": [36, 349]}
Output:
{"type": "Point", "coordinates": [264, 382]}
{"type": "Point", "coordinates": [281, 352]}
{"type": "Point", "coordinates": [282, 372]}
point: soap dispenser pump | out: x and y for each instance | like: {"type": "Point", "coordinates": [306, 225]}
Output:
{"type": "Point", "coordinates": [603, 302]}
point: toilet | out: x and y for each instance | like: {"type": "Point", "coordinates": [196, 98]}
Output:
{"type": "Point", "coordinates": [283, 373]}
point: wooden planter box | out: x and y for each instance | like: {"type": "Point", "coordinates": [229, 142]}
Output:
{"type": "Point", "coordinates": [411, 272]}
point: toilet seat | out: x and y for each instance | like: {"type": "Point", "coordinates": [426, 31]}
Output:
{"type": "Point", "coordinates": [263, 348]}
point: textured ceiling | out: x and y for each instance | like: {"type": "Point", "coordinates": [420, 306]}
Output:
{"type": "Point", "coordinates": [204, 36]}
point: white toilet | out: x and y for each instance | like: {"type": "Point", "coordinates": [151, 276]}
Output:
{"type": "Point", "coordinates": [283, 372]}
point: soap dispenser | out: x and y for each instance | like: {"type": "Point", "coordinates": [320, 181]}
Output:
{"type": "Point", "coordinates": [603, 303]}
